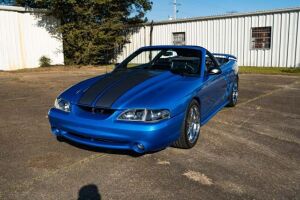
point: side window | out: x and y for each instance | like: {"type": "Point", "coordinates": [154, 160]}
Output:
{"type": "Point", "coordinates": [210, 62]}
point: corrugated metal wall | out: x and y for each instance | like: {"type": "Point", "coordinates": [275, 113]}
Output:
{"type": "Point", "coordinates": [232, 34]}
{"type": "Point", "coordinates": [23, 41]}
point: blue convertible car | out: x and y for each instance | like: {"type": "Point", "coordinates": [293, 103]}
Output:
{"type": "Point", "coordinates": [158, 96]}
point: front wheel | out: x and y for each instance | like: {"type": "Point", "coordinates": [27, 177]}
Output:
{"type": "Point", "coordinates": [233, 98]}
{"type": "Point", "coordinates": [191, 127]}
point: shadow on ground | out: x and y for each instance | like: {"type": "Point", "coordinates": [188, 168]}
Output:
{"type": "Point", "coordinates": [89, 192]}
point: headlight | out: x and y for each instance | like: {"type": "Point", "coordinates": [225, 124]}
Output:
{"type": "Point", "coordinates": [144, 115]}
{"type": "Point", "coordinates": [62, 104]}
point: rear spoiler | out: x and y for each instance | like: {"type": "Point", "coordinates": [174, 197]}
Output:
{"type": "Point", "coordinates": [228, 56]}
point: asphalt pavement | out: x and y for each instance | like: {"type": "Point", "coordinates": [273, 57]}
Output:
{"type": "Point", "coordinates": [251, 151]}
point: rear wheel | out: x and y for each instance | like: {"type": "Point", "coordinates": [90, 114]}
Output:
{"type": "Point", "coordinates": [233, 98]}
{"type": "Point", "coordinates": [191, 127]}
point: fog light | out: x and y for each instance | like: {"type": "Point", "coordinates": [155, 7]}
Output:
{"type": "Point", "coordinates": [140, 146]}
{"type": "Point", "coordinates": [55, 131]}
{"type": "Point", "coordinates": [58, 132]}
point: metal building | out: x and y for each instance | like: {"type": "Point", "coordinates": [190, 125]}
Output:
{"type": "Point", "coordinates": [24, 39]}
{"type": "Point", "coordinates": [264, 38]}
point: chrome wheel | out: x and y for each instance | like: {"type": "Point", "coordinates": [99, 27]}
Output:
{"type": "Point", "coordinates": [191, 127]}
{"type": "Point", "coordinates": [235, 92]}
{"type": "Point", "coordinates": [193, 124]}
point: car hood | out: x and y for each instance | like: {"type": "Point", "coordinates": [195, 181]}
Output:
{"type": "Point", "coordinates": [127, 89]}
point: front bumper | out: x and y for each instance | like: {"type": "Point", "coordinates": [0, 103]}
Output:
{"type": "Point", "coordinates": [93, 130]}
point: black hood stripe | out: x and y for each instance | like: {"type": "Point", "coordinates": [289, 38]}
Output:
{"type": "Point", "coordinates": [109, 97]}
{"type": "Point", "coordinates": [91, 93]}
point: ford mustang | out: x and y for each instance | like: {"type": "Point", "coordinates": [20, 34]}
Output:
{"type": "Point", "coordinates": [157, 97]}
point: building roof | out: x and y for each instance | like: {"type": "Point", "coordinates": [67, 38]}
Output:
{"type": "Point", "coordinates": [21, 9]}
{"type": "Point", "coordinates": [295, 9]}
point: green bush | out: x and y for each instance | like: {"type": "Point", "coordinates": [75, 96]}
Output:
{"type": "Point", "coordinates": [45, 61]}
{"type": "Point", "coordinates": [270, 70]}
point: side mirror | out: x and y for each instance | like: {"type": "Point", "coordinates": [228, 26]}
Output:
{"type": "Point", "coordinates": [214, 71]}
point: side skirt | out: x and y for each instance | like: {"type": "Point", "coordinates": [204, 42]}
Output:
{"type": "Point", "coordinates": [214, 112]}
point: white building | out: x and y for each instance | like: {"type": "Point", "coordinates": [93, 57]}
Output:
{"type": "Point", "coordinates": [24, 39]}
{"type": "Point", "coordinates": [265, 38]}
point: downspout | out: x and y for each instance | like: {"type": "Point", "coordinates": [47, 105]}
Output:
{"type": "Point", "coordinates": [151, 39]}
{"type": "Point", "coordinates": [151, 33]}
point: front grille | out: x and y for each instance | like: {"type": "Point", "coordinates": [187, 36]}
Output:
{"type": "Point", "coordinates": [103, 111]}
{"type": "Point", "coordinates": [96, 139]}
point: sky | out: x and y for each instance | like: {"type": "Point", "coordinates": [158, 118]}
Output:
{"type": "Point", "coordinates": [163, 9]}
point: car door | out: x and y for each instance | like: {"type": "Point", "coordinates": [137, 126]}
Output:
{"type": "Point", "coordinates": [214, 88]}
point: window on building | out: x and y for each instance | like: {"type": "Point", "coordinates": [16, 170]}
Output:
{"type": "Point", "coordinates": [179, 38]}
{"type": "Point", "coordinates": [261, 37]}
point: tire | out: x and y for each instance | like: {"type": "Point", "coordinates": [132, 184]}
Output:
{"type": "Point", "coordinates": [186, 141]}
{"type": "Point", "coordinates": [233, 98]}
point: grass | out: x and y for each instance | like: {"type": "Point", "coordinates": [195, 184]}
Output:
{"type": "Point", "coordinates": [269, 70]}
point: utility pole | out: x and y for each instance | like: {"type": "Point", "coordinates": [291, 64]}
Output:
{"type": "Point", "coordinates": [175, 11]}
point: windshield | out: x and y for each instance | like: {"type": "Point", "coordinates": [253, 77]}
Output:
{"type": "Point", "coordinates": [177, 60]}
